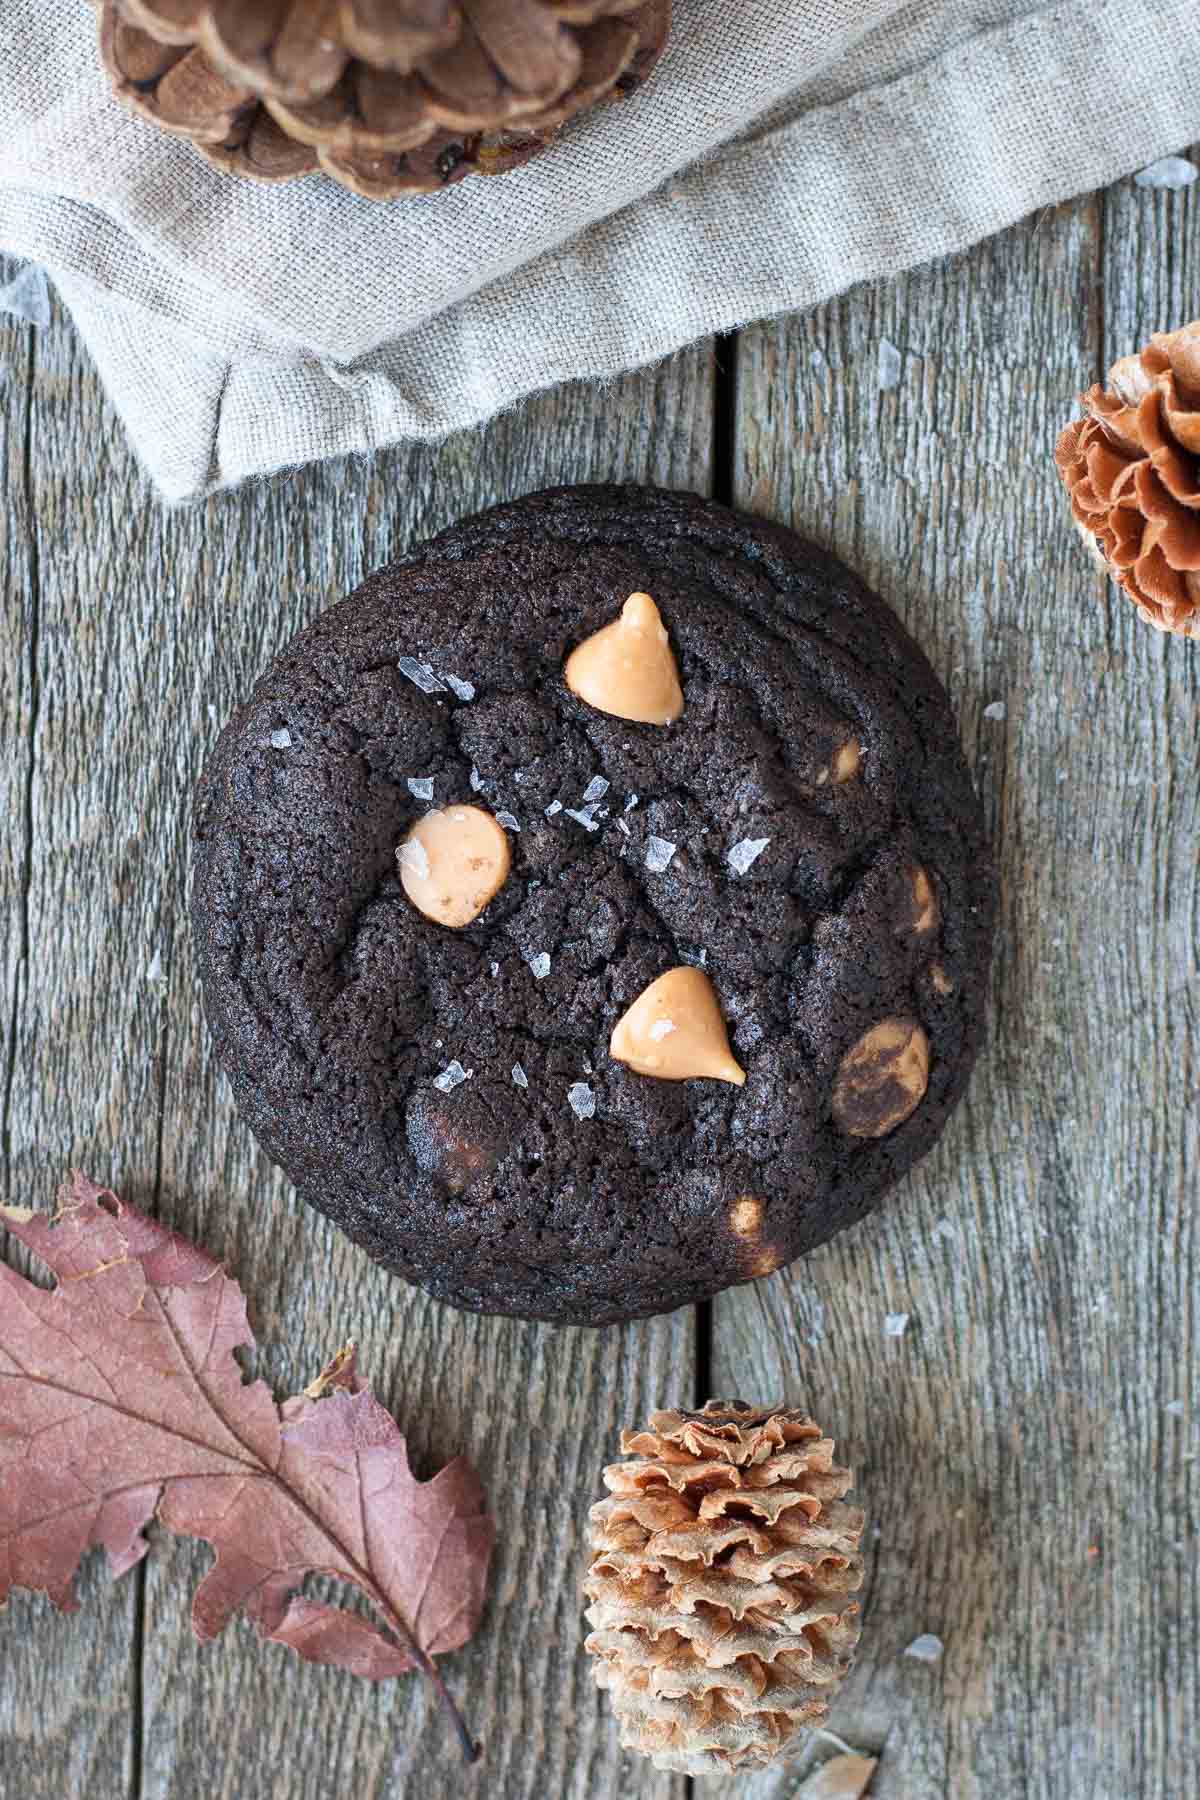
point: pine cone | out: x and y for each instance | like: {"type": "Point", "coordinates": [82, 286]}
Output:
{"type": "Point", "coordinates": [387, 96]}
{"type": "Point", "coordinates": [1132, 469]}
{"type": "Point", "coordinates": [718, 1585]}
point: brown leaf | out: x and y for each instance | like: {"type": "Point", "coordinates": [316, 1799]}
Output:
{"type": "Point", "coordinates": [121, 1400]}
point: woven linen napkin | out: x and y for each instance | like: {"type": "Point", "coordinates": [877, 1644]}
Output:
{"type": "Point", "coordinates": [783, 150]}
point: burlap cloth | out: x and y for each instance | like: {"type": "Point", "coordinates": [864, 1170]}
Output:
{"type": "Point", "coordinates": [784, 150]}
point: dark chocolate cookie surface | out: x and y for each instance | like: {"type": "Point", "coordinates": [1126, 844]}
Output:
{"type": "Point", "coordinates": [806, 833]}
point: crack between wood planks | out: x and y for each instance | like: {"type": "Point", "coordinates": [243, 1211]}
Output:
{"type": "Point", "coordinates": [35, 698]}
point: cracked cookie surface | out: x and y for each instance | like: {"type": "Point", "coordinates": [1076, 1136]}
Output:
{"type": "Point", "coordinates": [806, 832]}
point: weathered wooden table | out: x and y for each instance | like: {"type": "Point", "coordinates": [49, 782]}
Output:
{"type": "Point", "coordinates": [1034, 1496]}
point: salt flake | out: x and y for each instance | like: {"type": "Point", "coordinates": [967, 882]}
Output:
{"type": "Point", "coordinates": [414, 856]}
{"type": "Point", "coordinates": [539, 965]}
{"type": "Point", "coordinates": [586, 818]}
{"type": "Point", "coordinates": [895, 1325]}
{"type": "Point", "coordinates": [519, 1076]}
{"type": "Point", "coordinates": [631, 803]}
{"type": "Point", "coordinates": [507, 820]}
{"type": "Point", "coordinates": [582, 1100]}
{"type": "Point", "coordinates": [891, 366]}
{"type": "Point", "coordinates": [452, 1076]}
{"type": "Point", "coordinates": [747, 851]}
{"type": "Point", "coordinates": [1174, 173]}
{"type": "Point", "coordinates": [927, 1648]}
{"type": "Point", "coordinates": [420, 674]}
{"type": "Point", "coordinates": [555, 806]}
{"type": "Point", "coordinates": [281, 740]}
{"type": "Point", "coordinates": [659, 852]}
{"type": "Point", "coordinates": [495, 969]}
{"type": "Point", "coordinates": [465, 690]}
{"type": "Point", "coordinates": [420, 787]}
{"type": "Point", "coordinates": [476, 779]}
{"type": "Point", "coordinates": [623, 827]}
{"type": "Point", "coordinates": [662, 1028]}
{"type": "Point", "coordinates": [596, 789]}
{"type": "Point", "coordinates": [996, 710]}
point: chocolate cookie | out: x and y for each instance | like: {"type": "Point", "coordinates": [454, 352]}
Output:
{"type": "Point", "coordinates": [594, 909]}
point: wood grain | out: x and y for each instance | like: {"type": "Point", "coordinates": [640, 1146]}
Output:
{"type": "Point", "coordinates": [67, 1688]}
{"type": "Point", "coordinates": [153, 625]}
{"type": "Point", "coordinates": [1033, 1502]}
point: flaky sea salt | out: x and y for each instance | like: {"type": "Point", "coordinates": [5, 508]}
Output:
{"type": "Point", "coordinates": [508, 821]}
{"type": "Point", "coordinates": [420, 787]}
{"type": "Point", "coordinates": [661, 1028]}
{"type": "Point", "coordinates": [414, 856]}
{"type": "Point", "coordinates": [464, 690]}
{"type": "Point", "coordinates": [453, 1076]}
{"type": "Point", "coordinates": [555, 806]}
{"type": "Point", "coordinates": [891, 365]}
{"type": "Point", "coordinates": [519, 1076]}
{"type": "Point", "coordinates": [420, 674]}
{"type": "Point", "coordinates": [623, 827]}
{"type": "Point", "coordinates": [895, 1324]}
{"type": "Point", "coordinates": [1174, 173]}
{"type": "Point", "coordinates": [586, 818]}
{"type": "Point", "coordinates": [495, 970]}
{"type": "Point", "coordinates": [996, 710]}
{"type": "Point", "coordinates": [745, 852]}
{"type": "Point", "coordinates": [476, 779]}
{"type": "Point", "coordinates": [927, 1648]}
{"type": "Point", "coordinates": [539, 965]}
{"type": "Point", "coordinates": [582, 1100]}
{"type": "Point", "coordinates": [659, 852]}
{"type": "Point", "coordinates": [281, 740]}
{"type": "Point", "coordinates": [631, 803]}
{"type": "Point", "coordinates": [596, 789]}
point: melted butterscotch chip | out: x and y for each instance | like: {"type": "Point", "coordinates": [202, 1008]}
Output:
{"type": "Point", "coordinates": [628, 668]}
{"type": "Point", "coordinates": [674, 1031]}
{"type": "Point", "coordinates": [767, 1260]}
{"type": "Point", "coordinates": [745, 1215]}
{"type": "Point", "coordinates": [941, 981]}
{"type": "Point", "coordinates": [925, 909]}
{"type": "Point", "coordinates": [453, 862]}
{"type": "Point", "coordinates": [847, 760]}
{"type": "Point", "coordinates": [882, 1079]}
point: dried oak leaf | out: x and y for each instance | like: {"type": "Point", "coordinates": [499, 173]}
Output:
{"type": "Point", "coordinates": [121, 1401]}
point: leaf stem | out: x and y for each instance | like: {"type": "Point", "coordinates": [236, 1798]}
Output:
{"type": "Point", "coordinates": [470, 1748]}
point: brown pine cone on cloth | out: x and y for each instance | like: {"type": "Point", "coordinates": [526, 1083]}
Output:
{"type": "Point", "coordinates": [719, 1584]}
{"type": "Point", "coordinates": [386, 96]}
{"type": "Point", "coordinates": [1132, 469]}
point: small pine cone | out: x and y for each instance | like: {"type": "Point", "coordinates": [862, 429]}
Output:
{"type": "Point", "coordinates": [386, 96]}
{"type": "Point", "coordinates": [1132, 469]}
{"type": "Point", "coordinates": [719, 1584]}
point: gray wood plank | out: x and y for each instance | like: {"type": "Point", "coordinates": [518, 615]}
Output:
{"type": "Point", "coordinates": [163, 621]}
{"type": "Point", "coordinates": [67, 1686]}
{"type": "Point", "coordinates": [1032, 1502]}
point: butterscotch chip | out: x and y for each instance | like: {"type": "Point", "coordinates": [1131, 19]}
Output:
{"type": "Point", "coordinates": [941, 981]}
{"type": "Point", "coordinates": [745, 1215]}
{"type": "Point", "coordinates": [628, 668]}
{"type": "Point", "coordinates": [674, 1031]}
{"type": "Point", "coordinates": [453, 862]}
{"type": "Point", "coordinates": [882, 1079]}
{"type": "Point", "coordinates": [847, 760]}
{"type": "Point", "coordinates": [926, 913]}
